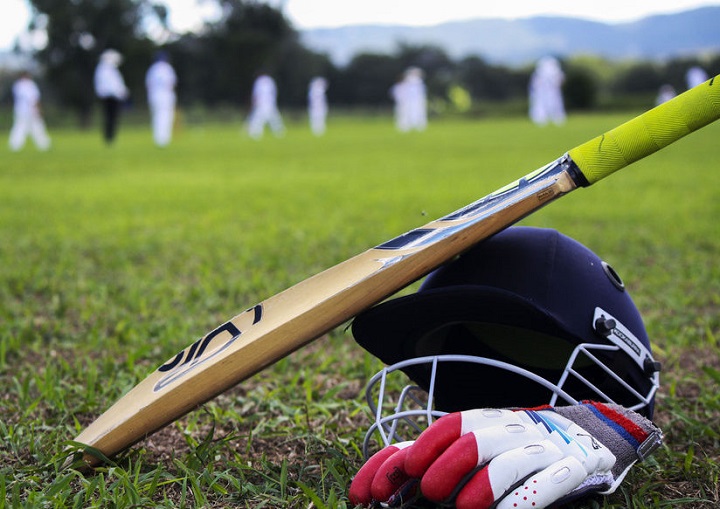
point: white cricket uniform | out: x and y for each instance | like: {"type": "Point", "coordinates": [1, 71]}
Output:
{"type": "Point", "coordinates": [160, 82]}
{"type": "Point", "coordinates": [317, 105]}
{"type": "Point", "coordinates": [416, 97]}
{"type": "Point", "coordinates": [665, 93]}
{"type": "Point", "coordinates": [545, 93]}
{"type": "Point", "coordinates": [410, 98]}
{"type": "Point", "coordinates": [111, 89]}
{"type": "Point", "coordinates": [109, 82]}
{"type": "Point", "coordinates": [264, 108]}
{"type": "Point", "coordinates": [27, 118]}
{"type": "Point", "coordinates": [695, 76]}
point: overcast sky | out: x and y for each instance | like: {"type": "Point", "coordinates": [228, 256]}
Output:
{"type": "Point", "coordinates": [332, 13]}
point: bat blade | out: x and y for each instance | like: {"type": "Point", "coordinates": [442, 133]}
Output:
{"type": "Point", "coordinates": [270, 330]}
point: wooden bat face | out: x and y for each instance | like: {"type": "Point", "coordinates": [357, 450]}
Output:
{"type": "Point", "coordinates": [267, 332]}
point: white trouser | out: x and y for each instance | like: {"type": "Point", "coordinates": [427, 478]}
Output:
{"type": "Point", "coordinates": [265, 114]}
{"type": "Point", "coordinates": [28, 123]}
{"type": "Point", "coordinates": [317, 116]}
{"type": "Point", "coordinates": [162, 111]}
{"type": "Point", "coordinates": [416, 116]}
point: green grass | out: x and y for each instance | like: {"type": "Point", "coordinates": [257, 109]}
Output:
{"type": "Point", "coordinates": [113, 259]}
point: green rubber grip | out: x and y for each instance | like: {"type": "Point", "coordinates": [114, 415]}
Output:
{"type": "Point", "coordinates": [648, 132]}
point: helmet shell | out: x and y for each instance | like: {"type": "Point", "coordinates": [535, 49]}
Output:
{"type": "Point", "coordinates": [525, 296]}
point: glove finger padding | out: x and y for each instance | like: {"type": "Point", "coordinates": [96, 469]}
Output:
{"type": "Point", "coordinates": [478, 457]}
{"type": "Point", "coordinates": [506, 471]}
{"type": "Point", "coordinates": [445, 431]}
{"type": "Point", "coordinates": [475, 449]}
{"type": "Point", "coordinates": [546, 487]}
{"type": "Point", "coordinates": [383, 479]}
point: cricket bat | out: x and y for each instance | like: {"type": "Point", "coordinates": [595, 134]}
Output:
{"type": "Point", "coordinates": [272, 329]}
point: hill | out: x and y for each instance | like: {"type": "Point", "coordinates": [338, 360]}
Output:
{"type": "Point", "coordinates": [519, 41]}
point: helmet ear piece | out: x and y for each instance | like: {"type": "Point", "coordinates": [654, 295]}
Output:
{"type": "Point", "coordinates": [528, 298]}
{"type": "Point", "coordinates": [613, 276]}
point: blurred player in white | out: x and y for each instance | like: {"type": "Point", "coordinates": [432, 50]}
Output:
{"type": "Point", "coordinates": [264, 108]}
{"type": "Point", "coordinates": [545, 92]}
{"type": "Point", "coordinates": [695, 75]}
{"type": "Point", "coordinates": [27, 116]}
{"type": "Point", "coordinates": [416, 96]}
{"type": "Point", "coordinates": [665, 93]}
{"type": "Point", "coordinates": [410, 98]}
{"type": "Point", "coordinates": [317, 105]}
{"type": "Point", "coordinates": [111, 89]}
{"type": "Point", "coordinates": [160, 82]}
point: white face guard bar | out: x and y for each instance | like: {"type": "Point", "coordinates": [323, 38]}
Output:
{"type": "Point", "coordinates": [413, 410]}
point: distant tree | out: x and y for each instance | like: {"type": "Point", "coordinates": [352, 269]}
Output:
{"type": "Point", "coordinates": [189, 57]}
{"type": "Point", "coordinates": [640, 78]}
{"type": "Point", "coordinates": [580, 89]}
{"type": "Point", "coordinates": [674, 71]}
{"type": "Point", "coordinates": [297, 65]}
{"type": "Point", "coordinates": [712, 65]}
{"type": "Point", "coordinates": [490, 82]}
{"type": "Point", "coordinates": [219, 64]}
{"type": "Point", "coordinates": [367, 79]}
{"type": "Point", "coordinates": [79, 30]}
{"type": "Point", "coordinates": [438, 67]}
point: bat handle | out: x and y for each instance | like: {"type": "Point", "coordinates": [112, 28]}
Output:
{"type": "Point", "coordinates": [648, 132]}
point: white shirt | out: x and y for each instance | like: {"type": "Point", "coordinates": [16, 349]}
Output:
{"type": "Point", "coordinates": [264, 91]}
{"type": "Point", "coordinates": [695, 76]}
{"type": "Point", "coordinates": [160, 80]}
{"type": "Point", "coordinates": [548, 73]}
{"type": "Point", "coordinates": [26, 96]}
{"type": "Point", "coordinates": [414, 89]}
{"type": "Point", "coordinates": [316, 93]}
{"type": "Point", "coordinates": [109, 82]}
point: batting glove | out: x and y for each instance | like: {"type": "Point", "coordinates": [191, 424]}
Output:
{"type": "Point", "coordinates": [526, 458]}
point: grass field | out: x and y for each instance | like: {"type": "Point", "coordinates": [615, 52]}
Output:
{"type": "Point", "coordinates": [114, 259]}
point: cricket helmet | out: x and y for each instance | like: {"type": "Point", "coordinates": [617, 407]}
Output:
{"type": "Point", "coordinates": [527, 317]}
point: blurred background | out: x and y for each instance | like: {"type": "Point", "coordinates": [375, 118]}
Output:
{"type": "Point", "coordinates": [476, 62]}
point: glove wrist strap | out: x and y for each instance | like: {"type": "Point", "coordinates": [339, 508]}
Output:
{"type": "Point", "coordinates": [627, 434]}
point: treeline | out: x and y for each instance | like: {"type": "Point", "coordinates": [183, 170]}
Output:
{"type": "Point", "coordinates": [216, 66]}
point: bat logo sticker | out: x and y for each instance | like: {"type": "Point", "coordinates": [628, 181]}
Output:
{"type": "Point", "coordinates": [204, 349]}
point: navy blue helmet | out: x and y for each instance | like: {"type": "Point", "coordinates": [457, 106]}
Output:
{"type": "Point", "coordinates": [525, 318]}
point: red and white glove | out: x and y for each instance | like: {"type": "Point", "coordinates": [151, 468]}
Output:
{"type": "Point", "coordinates": [527, 458]}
